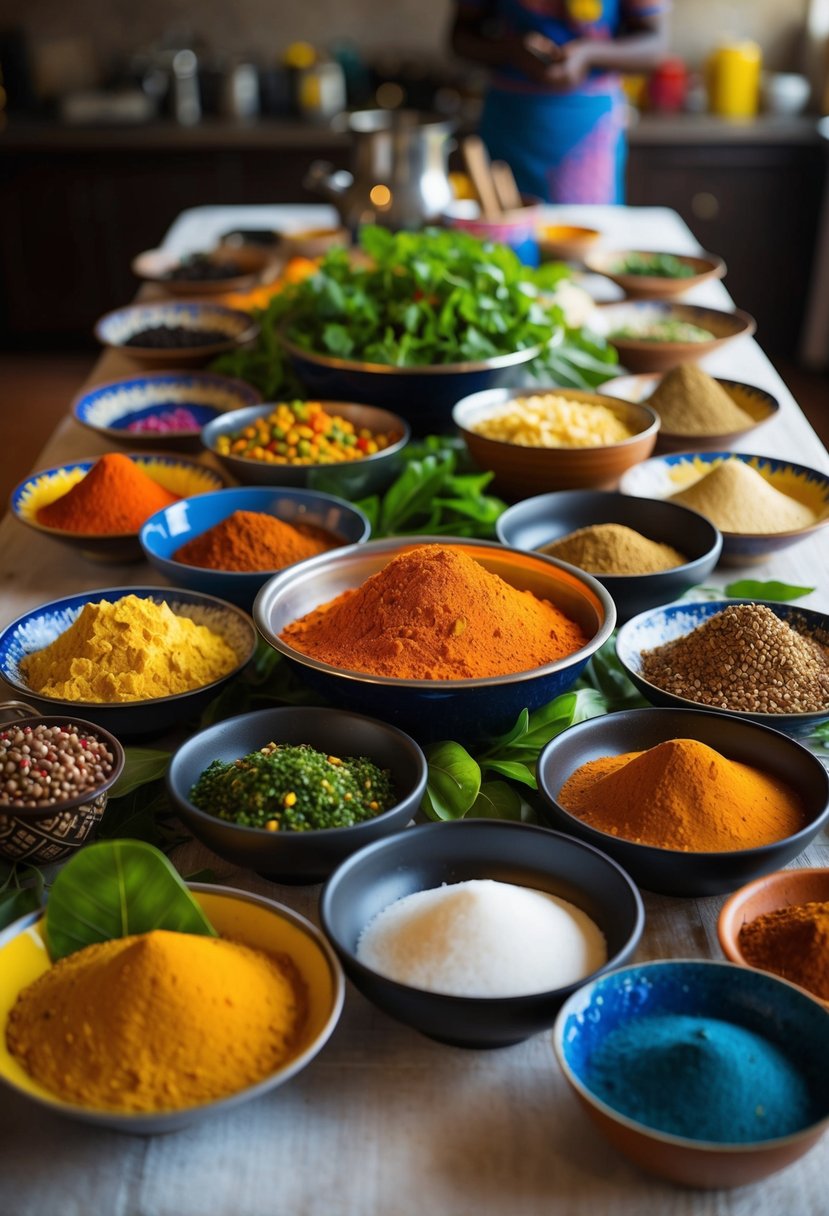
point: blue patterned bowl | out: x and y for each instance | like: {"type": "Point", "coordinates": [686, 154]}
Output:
{"type": "Point", "coordinates": [110, 409]}
{"type": "Point", "coordinates": [662, 476]}
{"type": "Point", "coordinates": [38, 628]}
{"type": "Point", "coordinates": [116, 328]}
{"type": "Point", "coordinates": [775, 1010]}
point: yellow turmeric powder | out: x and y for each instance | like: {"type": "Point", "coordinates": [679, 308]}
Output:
{"type": "Point", "coordinates": [684, 795]}
{"type": "Point", "coordinates": [129, 650]}
{"type": "Point", "coordinates": [158, 1021]}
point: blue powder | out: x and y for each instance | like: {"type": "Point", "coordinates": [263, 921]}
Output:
{"type": "Point", "coordinates": [701, 1078]}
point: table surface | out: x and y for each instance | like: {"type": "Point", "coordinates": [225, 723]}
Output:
{"type": "Point", "coordinates": [385, 1120]}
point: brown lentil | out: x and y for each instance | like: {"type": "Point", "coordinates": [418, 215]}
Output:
{"type": "Point", "coordinates": [44, 765]}
{"type": "Point", "coordinates": [744, 658]}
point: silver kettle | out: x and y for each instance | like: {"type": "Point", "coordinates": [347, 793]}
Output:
{"type": "Point", "coordinates": [399, 175]}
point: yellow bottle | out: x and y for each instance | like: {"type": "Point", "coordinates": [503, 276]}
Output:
{"type": "Point", "coordinates": [733, 79]}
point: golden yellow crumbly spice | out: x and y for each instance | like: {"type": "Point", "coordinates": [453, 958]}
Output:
{"type": "Point", "coordinates": [614, 549]}
{"type": "Point", "coordinates": [158, 1021]}
{"type": "Point", "coordinates": [129, 650]}
{"type": "Point", "coordinates": [548, 420]}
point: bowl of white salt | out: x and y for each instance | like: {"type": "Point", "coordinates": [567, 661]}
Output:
{"type": "Point", "coordinates": [475, 932]}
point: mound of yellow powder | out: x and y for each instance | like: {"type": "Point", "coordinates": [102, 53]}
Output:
{"type": "Point", "coordinates": [158, 1021]}
{"type": "Point", "coordinates": [130, 650]}
{"type": "Point", "coordinates": [736, 498]}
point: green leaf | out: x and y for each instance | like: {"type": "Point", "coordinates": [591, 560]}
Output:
{"type": "Point", "coordinates": [16, 902]}
{"type": "Point", "coordinates": [516, 732]}
{"type": "Point", "coordinates": [143, 764]}
{"type": "Point", "coordinates": [453, 781]}
{"type": "Point", "coordinates": [512, 768]}
{"type": "Point", "coordinates": [751, 589]}
{"type": "Point", "coordinates": [145, 814]}
{"type": "Point", "coordinates": [114, 889]}
{"type": "Point", "coordinates": [496, 800]}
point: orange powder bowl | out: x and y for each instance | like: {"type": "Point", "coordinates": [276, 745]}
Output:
{"type": "Point", "coordinates": [464, 709]}
{"type": "Point", "coordinates": [674, 871]}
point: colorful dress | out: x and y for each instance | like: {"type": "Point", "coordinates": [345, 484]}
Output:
{"type": "Point", "coordinates": [564, 146]}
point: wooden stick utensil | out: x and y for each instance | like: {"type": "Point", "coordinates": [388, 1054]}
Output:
{"type": "Point", "coordinates": [505, 186]}
{"type": "Point", "coordinates": [478, 168]}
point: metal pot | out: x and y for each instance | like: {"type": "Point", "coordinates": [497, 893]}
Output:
{"type": "Point", "coordinates": [399, 172]}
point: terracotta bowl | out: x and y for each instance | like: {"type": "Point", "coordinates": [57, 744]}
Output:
{"type": "Point", "coordinates": [522, 471]}
{"type": "Point", "coordinates": [642, 355]}
{"type": "Point", "coordinates": [758, 403]}
{"type": "Point", "coordinates": [567, 242]}
{"type": "Point", "coordinates": [254, 264]}
{"type": "Point", "coordinates": [782, 889]}
{"type": "Point", "coordinates": [607, 262]}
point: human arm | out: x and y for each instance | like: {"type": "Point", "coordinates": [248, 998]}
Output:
{"type": "Point", "coordinates": [639, 48]}
{"type": "Point", "coordinates": [475, 36]}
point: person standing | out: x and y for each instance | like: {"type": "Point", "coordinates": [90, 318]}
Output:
{"type": "Point", "coordinates": [554, 109]}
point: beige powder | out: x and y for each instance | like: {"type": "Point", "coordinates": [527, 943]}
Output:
{"type": "Point", "coordinates": [736, 498]}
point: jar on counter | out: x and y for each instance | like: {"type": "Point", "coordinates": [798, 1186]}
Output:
{"type": "Point", "coordinates": [733, 79]}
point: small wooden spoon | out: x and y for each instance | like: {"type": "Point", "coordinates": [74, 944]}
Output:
{"type": "Point", "coordinates": [478, 167]}
{"type": "Point", "coordinates": [506, 187]}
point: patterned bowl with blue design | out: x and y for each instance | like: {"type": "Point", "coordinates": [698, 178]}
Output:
{"type": "Point", "coordinates": [664, 476]}
{"type": "Point", "coordinates": [236, 328]}
{"type": "Point", "coordinates": [127, 411]}
{"type": "Point", "coordinates": [177, 474]}
{"type": "Point", "coordinates": [40, 627]}
{"type": "Point", "coordinates": [778, 1012]}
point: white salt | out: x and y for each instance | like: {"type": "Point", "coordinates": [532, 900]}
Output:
{"type": "Point", "coordinates": [482, 939]}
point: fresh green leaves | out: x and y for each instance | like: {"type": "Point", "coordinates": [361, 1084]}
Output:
{"type": "Point", "coordinates": [751, 589]}
{"type": "Point", "coordinates": [115, 889]}
{"type": "Point", "coordinates": [142, 764]}
{"type": "Point", "coordinates": [21, 891]}
{"type": "Point", "coordinates": [453, 781]}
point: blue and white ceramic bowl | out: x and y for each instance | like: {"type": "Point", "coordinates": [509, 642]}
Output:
{"type": "Point", "coordinates": [40, 627]}
{"type": "Point", "coordinates": [116, 328]}
{"type": "Point", "coordinates": [175, 473]}
{"type": "Point", "coordinates": [165, 532]}
{"type": "Point", "coordinates": [663, 476]}
{"type": "Point", "coordinates": [780, 1013]}
{"type": "Point", "coordinates": [660, 625]}
{"type": "Point", "coordinates": [112, 409]}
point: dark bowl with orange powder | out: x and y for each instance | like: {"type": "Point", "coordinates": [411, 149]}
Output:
{"type": "Point", "coordinates": [331, 521]}
{"type": "Point", "coordinates": [465, 709]}
{"type": "Point", "coordinates": [674, 871]}
{"type": "Point", "coordinates": [125, 484]}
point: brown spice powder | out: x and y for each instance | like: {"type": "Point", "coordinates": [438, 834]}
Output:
{"type": "Point", "coordinates": [614, 549]}
{"type": "Point", "coordinates": [690, 402]}
{"type": "Point", "coordinates": [736, 498]}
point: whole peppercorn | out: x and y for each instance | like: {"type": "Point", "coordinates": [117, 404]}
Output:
{"type": "Point", "coordinates": [43, 765]}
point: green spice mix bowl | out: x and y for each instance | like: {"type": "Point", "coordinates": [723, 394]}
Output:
{"type": "Point", "coordinates": [780, 1013]}
{"type": "Point", "coordinates": [291, 856]}
{"type": "Point", "coordinates": [675, 871]}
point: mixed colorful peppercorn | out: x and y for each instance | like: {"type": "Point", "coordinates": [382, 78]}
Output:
{"type": "Point", "coordinates": [293, 788]}
{"type": "Point", "coordinates": [303, 433]}
{"type": "Point", "coordinates": [45, 765]}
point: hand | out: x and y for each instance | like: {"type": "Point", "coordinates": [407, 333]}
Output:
{"type": "Point", "coordinates": [533, 55]}
{"type": "Point", "coordinates": [572, 66]}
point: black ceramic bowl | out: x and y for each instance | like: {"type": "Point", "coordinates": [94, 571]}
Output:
{"type": "Point", "coordinates": [536, 522]}
{"type": "Point", "coordinates": [423, 858]}
{"type": "Point", "coordinates": [672, 871]}
{"type": "Point", "coordinates": [299, 857]}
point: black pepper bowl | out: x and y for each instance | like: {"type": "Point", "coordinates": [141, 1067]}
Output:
{"type": "Point", "coordinates": [660, 625]}
{"type": "Point", "coordinates": [40, 835]}
{"type": "Point", "coordinates": [673, 871]}
{"type": "Point", "coordinates": [425, 857]}
{"type": "Point", "coordinates": [297, 857]}
{"type": "Point", "coordinates": [539, 521]}
{"type": "Point", "coordinates": [775, 1010]}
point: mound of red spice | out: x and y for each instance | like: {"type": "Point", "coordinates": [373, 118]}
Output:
{"type": "Point", "coordinates": [115, 497]}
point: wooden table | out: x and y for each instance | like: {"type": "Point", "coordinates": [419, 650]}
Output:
{"type": "Point", "coordinates": [385, 1122]}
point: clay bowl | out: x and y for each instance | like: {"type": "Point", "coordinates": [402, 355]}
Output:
{"type": "Point", "coordinates": [566, 242]}
{"type": "Point", "coordinates": [521, 471]}
{"type": "Point", "coordinates": [42, 835]}
{"type": "Point", "coordinates": [759, 404]}
{"type": "Point", "coordinates": [251, 264]}
{"type": "Point", "coordinates": [610, 263]}
{"type": "Point", "coordinates": [783, 889]}
{"type": "Point", "coordinates": [674, 871]}
{"type": "Point", "coordinates": [643, 355]}
{"type": "Point", "coordinates": [779, 1012]}
{"type": "Point", "coordinates": [664, 476]}
{"type": "Point", "coordinates": [465, 709]}
{"type": "Point", "coordinates": [538, 521]}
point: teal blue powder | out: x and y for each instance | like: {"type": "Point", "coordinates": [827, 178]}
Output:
{"type": "Point", "coordinates": [701, 1078]}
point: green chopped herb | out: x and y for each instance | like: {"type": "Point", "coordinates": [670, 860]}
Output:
{"type": "Point", "coordinates": [656, 265]}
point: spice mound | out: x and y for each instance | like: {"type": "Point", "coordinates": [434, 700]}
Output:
{"type": "Point", "coordinates": [552, 421]}
{"type": "Point", "coordinates": [690, 402]}
{"type": "Point", "coordinates": [304, 433]}
{"type": "Point", "coordinates": [157, 1021]}
{"type": "Point", "coordinates": [744, 658]}
{"type": "Point", "coordinates": [792, 942]}
{"type": "Point", "coordinates": [703, 1078]}
{"type": "Point", "coordinates": [614, 549]}
{"type": "Point", "coordinates": [115, 497]}
{"type": "Point", "coordinates": [483, 939]}
{"type": "Point", "coordinates": [174, 418]}
{"type": "Point", "coordinates": [42, 765]}
{"type": "Point", "coordinates": [434, 613]}
{"type": "Point", "coordinates": [683, 795]}
{"type": "Point", "coordinates": [293, 788]}
{"type": "Point", "coordinates": [736, 498]}
{"type": "Point", "coordinates": [250, 541]}
{"type": "Point", "coordinates": [177, 337]}
{"type": "Point", "coordinates": [129, 650]}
